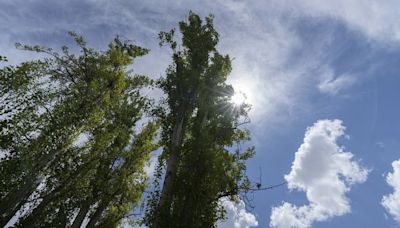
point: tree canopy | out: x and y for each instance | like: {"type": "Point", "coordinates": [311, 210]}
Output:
{"type": "Point", "coordinates": [200, 127]}
{"type": "Point", "coordinates": [76, 133]}
{"type": "Point", "coordinates": [48, 106]}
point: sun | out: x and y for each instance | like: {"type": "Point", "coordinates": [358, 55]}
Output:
{"type": "Point", "coordinates": [244, 90]}
{"type": "Point", "coordinates": [238, 98]}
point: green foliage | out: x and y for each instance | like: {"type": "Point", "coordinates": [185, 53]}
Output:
{"type": "Point", "coordinates": [47, 106]}
{"type": "Point", "coordinates": [207, 167]}
{"type": "Point", "coordinates": [72, 147]}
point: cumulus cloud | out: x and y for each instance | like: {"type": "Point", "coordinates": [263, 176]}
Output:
{"type": "Point", "coordinates": [391, 202]}
{"type": "Point", "coordinates": [237, 216]}
{"type": "Point", "coordinates": [325, 172]}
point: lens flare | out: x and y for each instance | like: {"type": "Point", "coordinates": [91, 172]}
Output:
{"type": "Point", "coordinates": [238, 98]}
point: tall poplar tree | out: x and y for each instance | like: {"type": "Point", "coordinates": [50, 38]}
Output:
{"type": "Point", "coordinates": [46, 106]}
{"type": "Point", "coordinates": [200, 129]}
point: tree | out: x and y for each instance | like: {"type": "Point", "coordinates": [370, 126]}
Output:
{"type": "Point", "coordinates": [47, 105]}
{"type": "Point", "coordinates": [200, 126]}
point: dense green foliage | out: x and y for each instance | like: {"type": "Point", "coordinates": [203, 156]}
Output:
{"type": "Point", "coordinates": [200, 127]}
{"type": "Point", "coordinates": [73, 151]}
{"type": "Point", "coordinates": [48, 107]}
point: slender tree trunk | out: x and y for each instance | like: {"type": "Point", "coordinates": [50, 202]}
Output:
{"type": "Point", "coordinates": [54, 195]}
{"type": "Point", "coordinates": [81, 215]}
{"type": "Point", "coordinates": [15, 200]}
{"type": "Point", "coordinates": [97, 214]}
{"type": "Point", "coordinates": [163, 210]}
{"type": "Point", "coordinates": [36, 212]}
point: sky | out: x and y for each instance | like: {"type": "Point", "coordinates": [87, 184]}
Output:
{"type": "Point", "coordinates": [322, 78]}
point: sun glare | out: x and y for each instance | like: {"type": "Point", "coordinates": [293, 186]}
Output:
{"type": "Point", "coordinates": [238, 98]}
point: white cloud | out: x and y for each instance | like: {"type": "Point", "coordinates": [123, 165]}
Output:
{"type": "Point", "coordinates": [237, 216]}
{"type": "Point", "coordinates": [378, 20]}
{"type": "Point", "coordinates": [325, 172]}
{"type": "Point", "coordinates": [391, 202]}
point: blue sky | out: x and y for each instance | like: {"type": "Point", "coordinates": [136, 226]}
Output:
{"type": "Point", "coordinates": [298, 62]}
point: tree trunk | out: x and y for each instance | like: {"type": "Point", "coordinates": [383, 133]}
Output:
{"type": "Point", "coordinates": [163, 210]}
{"type": "Point", "coordinates": [81, 215]}
{"type": "Point", "coordinates": [37, 211]}
{"type": "Point", "coordinates": [54, 195]}
{"type": "Point", "coordinates": [97, 214]}
{"type": "Point", "coordinates": [15, 200]}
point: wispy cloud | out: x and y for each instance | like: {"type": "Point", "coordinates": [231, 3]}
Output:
{"type": "Point", "coordinates": [377, 20]}
{"type": "Point", "coordinates": [258, 36]}
{"type": "Point", "coordinates": [329, 84]}
{"type": "Point", "coordinates": [261, 36]}
{"type": "Point", "coordinates": [325, 172]}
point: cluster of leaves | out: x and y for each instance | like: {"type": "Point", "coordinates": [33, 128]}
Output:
{"type": "Point", "coordinates": [200, 128]}
{"type": "Point", "coordinates": [70, 146]}
{"type": "Point", "coordinates": [68, 137]}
